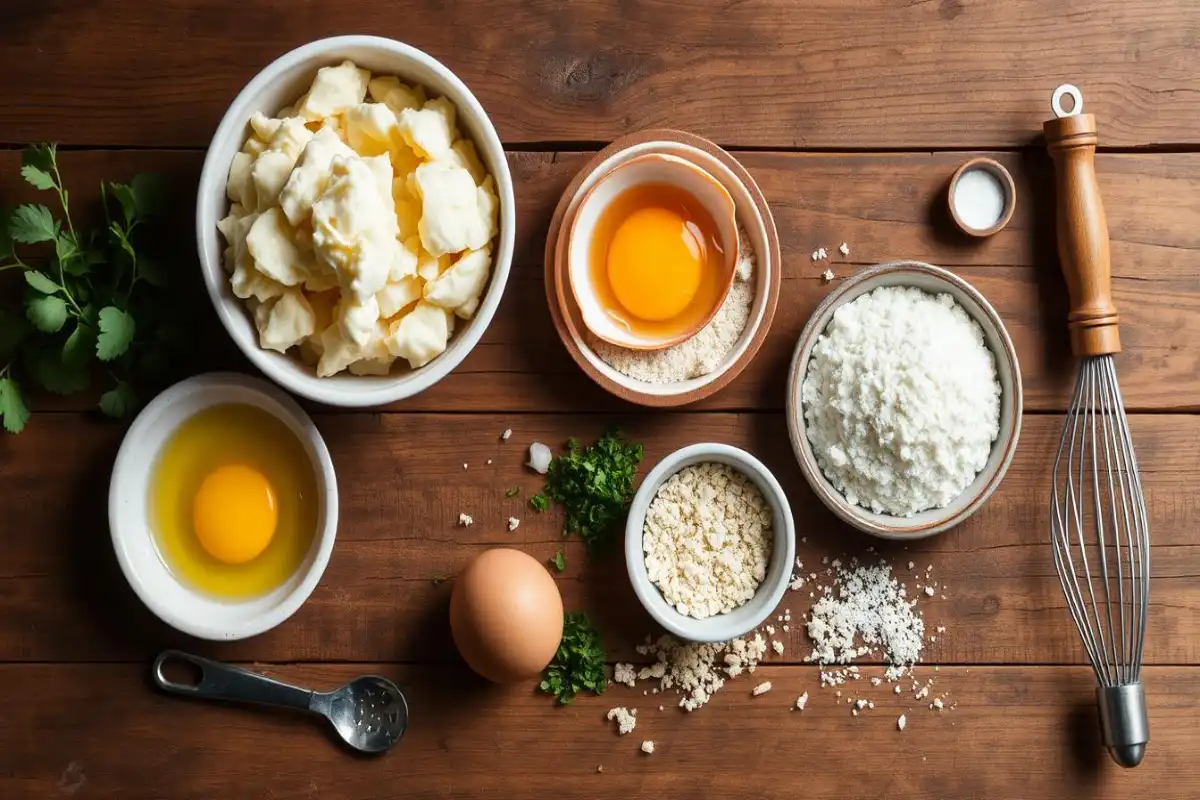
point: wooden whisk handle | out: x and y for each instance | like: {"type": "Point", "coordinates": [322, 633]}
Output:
{"type": "Point", "coordinates": [1083, 235]}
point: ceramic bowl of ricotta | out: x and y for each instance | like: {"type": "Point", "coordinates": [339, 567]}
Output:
{"type": "Point", "coordinates": [682, 581]}
{"type": "Point", "coordinates": [904, 405]}
{"type": "Point", "coordinates": [281, 84]}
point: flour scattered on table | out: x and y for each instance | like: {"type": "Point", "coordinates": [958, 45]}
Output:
{"type": "Point", "coordinates": [702, 353]}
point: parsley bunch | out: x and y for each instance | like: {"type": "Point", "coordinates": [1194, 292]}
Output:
{"type": "Point", "coordinates": [595, 486]}
{"type": "Point", "coordinates": [579, 662]}
{"type": "Point", "coordinates": [98, 298]}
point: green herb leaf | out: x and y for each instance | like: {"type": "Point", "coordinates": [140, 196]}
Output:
{"type": "Point", "coordinates": [80, 346]}
{"type": "Point", "coordinates": [579, 662]}
{"type": "Point", "coordinates": [47, 313]}
{"type": "Point", "coordinates": [539, 502]}
{"type": "Point", "coordinates": [512, 492]}
{"type": "Point", "coordinates": [116, 332]}
{"type": "Point", "coordinates": [56, 375]}
{"type": "Point", "coordinates": [31, 224]}
{"type": "Point", "coordinates": [65, 248]}
{"type": "Point", "coordinates": [151, 195]}
{"type": "Point", "coordinates": [36, 178]}
{"type": "Point", "coordinates": [595, 486]}
{"type": "Point", "coordinates": [559, 561]}
{"type": "Point", "coordinates": [40, 156]}
{"type": "Point", "coordinates": [124, 195]}
{"type": "Point", "coordinates": [12, 330]}
{"type": "Point", "coordinates": [41, 282]}
{"type": "Point", "coordinates": [118, 401]}
{"type": "Point", "coordinates": [13, 411]}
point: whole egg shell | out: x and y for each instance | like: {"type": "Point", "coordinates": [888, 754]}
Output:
{"type": "Point", "coordinates": [506, 615]}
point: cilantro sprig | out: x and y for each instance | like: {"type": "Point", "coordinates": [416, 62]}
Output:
{"type": "Point", "coordinates": [578, 664]}
{"type": "Point", "coordinates": [92, 298]}
{"type": "Point", "coordinates": [595, 486]}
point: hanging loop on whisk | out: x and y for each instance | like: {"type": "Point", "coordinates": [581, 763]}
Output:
{"type": "Point", "coordinates": [1067, 90]}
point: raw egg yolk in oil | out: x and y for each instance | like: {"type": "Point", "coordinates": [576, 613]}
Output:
{"type": "Point", "coordinates": [234, 502]}
{"type": "Point", "coordinates": [656, 260]}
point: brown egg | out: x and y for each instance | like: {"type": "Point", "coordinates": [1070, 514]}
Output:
{"type": "Point", "coordinates": [506, 615]}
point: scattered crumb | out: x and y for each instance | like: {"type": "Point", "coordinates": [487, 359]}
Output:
{"type": "Point", "coordinates": [902, 722]}
{"type": "Point", "coordinates": [827, 275]}
{"type": "Point", "coordinates": [876, 681]}
{"type": "Point", "coordinates": [860, 703]}
{"type": "Point", "coordinates": [513, 523]}
{"type": "Point", "coordinates": [465, 519]}
{"type": "Point", "coordinates": [911, 565]}
{"type": "Point", "coordinates": [844, 249]}
{"type": "Point", "coordinates": [600, 768]}
{"type": "Point", "coordinates": [647, 747]}
{"type": "Point", "coordinates": [624, 673]}
{"type": "Point", "coordinates": [802, 701]}
{"type": "Point", "coordinates": [937, 703]}
{"type": "Point", "coordinates": [929, 591]}
{"type": "Point", "coordinates": [777, 646]}
{"type": "Point", "coordinates": [660, 708]}
{"type": "Point", "coordinates": [897, 690]}
{"type": "Point", "coordinates": [761, 689]}
{"type": "Point", "coordinates": [507, 433]}
{"type": "Point", "coordinates": [464, 465]}
{"type": "Point", "coordinates": [941, 628]}
{"type": "Point", "coordinates": [770, 630]}
{"type": "Point", "coordinates": [626, 719]}
{"type": "Point", "coordinates": [489, 461]}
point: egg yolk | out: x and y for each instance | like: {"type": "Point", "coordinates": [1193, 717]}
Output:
{"type": "Point", "coordinates": [655, 263]}
{"type": "Point", "coordinates": [235, 513]}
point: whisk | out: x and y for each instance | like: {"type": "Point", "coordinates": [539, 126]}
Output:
{"type": "Point", "coordinates": [1098, 520]}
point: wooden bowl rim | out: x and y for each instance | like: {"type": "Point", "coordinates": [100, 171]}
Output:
{"type": "Point", "coordinates": [797, 425]}
{"type": "Point", "coordinates": [556, 299]}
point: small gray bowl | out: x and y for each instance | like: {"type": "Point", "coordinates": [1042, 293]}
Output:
{"type": "Point", "coordinates": [745, 618]}
{"type": "Point", "coordinates": [936, 281]}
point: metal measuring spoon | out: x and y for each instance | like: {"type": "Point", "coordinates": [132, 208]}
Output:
{"type": "Point", "coordinates": [369, 713]}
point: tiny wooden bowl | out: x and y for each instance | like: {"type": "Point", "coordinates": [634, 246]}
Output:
{"type": "Point", "coordinates": [1010, 194]}
{"type": "Point", "coordinates": [928, 278]}
{"type": "Point", "coordinates": [565, 314]}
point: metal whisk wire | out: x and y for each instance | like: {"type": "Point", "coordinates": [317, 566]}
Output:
{"type": "Point", "coordinates": [1101, 539]}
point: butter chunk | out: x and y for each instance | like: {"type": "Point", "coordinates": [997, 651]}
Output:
{"type": "Point", "coordinates": [247, 282]}
{"type": "Point", "coordinates": [462, 153]}
{"type": "Point", "coordinates": [407, 259]}
{"type": "Point", "coordinates": [270, 242]}
{"type": "Point", "coordinates": [354, 228]}
{"type": "Point", "coordinates": [456, 215]}
{"type": "Point", "coordinates": [398, 294]}
{"type": "Point", "coordinates": [462, 282]}
{"type": "Point", "coordinates": [240, 185]}
{"type": "Point", "coordinates": [284, 322]}
{"type": "Point", "coordinates": [396, 95]}
{"type": "Point", "coordinates": [358, 319]}
{"type": "Point", "coordinates": [429, 130]}
{"type": "Point", "coordinates": [428, 267]}
{"type": "Point", "coordinates": [272, 169]}
{"type": "Point", "coordinates": [334, 90]}
{"type": "Point", "coordinates": [264, 127]}
{"type": "Point", "coordinates": [467, 310]}
{"type": "Point", "coordinates": [420, 335]}
{"type": "Point", "coordinates": [372, 129]}
{"type": "Point", "coordinates": [311, 174]}
{"type": "Point", "coordinates": [336, 352]}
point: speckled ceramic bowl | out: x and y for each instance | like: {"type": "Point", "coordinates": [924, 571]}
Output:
{"type": "Point", "coordinates": [934, 280]}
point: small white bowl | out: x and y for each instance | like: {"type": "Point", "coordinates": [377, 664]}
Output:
{"type": "Point", "coordinates": [934, 280]}
{"type": "Point", "coordinates": [281, 83]}
{"type": "Point", "coordinates": [651, 168]}
{"type": "Point", "coordinates": [742, 620]}
{"type": "Point", "coordinates": [173, 602]}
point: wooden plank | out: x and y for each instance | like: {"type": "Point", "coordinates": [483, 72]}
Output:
{"type": "Point", "coordinates": [402, 487]}
{"type": "Point", "coordinates": [885, 207]}
{"type": "Point", "coordinates": [772, 73]}
{"type": "Point", "coordinates": [106, 732]}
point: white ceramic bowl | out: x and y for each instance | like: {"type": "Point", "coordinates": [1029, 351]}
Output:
{"type": "Point", "coordinates": [742, 620]}
{"type": "Point", "coordinates": [647, 169]}
{"type": "Point", "coordinates": [173, 602]}
{"type": "Point", "coordinates": [936, 281]}
{"type": "Point", "coordinates": [756, 230]}
{"type": "Point", "coordinates": [280, 84]}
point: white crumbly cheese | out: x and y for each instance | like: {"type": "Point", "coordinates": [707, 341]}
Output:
{"type": "Point", "coordinates": [625, 718]}
{"type": "Point", "coordinates": [624, 673]}
{"type": "Point", "coordinates": [777, 646]}
{"type": "Point", "coordinates": [507, 433]}
{"type": "Point", "coordinates": [707, 540]}
{"type": "Point", "coordinates": [702, 353]}
{"type": "Point", "coordinates": [513, 523]}
{"type": "Point", "coordinates": [761, 689]}
{"type": "Point", "coordinates": [647, 747]}
{"type": "Point", "coordinates": [465, 519]}
{"type": "Point", "coordinates": [844, 249]}
{"type": "Point", "coordinates": [902, 722]}
{"type": "Point", "coordinates": [801, 701]}
{"type": "Point", "coordinates": [695, 671]}
{"type": "Point", "coordinates": [901, 400]}
{"type": "Point", "coordinates": [827, 275]}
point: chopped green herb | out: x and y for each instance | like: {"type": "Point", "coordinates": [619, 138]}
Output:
{"type": "Point", "coordinates": [97, 298]}
{"type": "Point", "coordinates": [579, 663]}
{"type": "Point", "coordinates": [559, 561]}
{"type": "Point", "coordinates": [513, 492]}
{"type": "Point", "coordinates": [539, 502]}
{"type": "Point", "coordinates": [595, 486]}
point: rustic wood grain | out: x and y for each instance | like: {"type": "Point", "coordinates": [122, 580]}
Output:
{"type": "Point", "coordinates": [402, 487]}
{"type": "Point", "coordinates": [885, 207]}
{"type": "Point", "coordinates": [768, 73]}
{"type": "Point", "coordinates": [106, 732]}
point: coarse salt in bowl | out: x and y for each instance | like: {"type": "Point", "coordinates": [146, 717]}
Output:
{"type": "Point", "coordinates": [933, 280]}
{"type": "Point", "coordinates": [283, 81]}
{"type": "Point", "coordinates": [745, 618]}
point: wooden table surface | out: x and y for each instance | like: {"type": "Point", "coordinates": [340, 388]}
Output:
{"type": "Point", "coordinates": [852, 115]}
